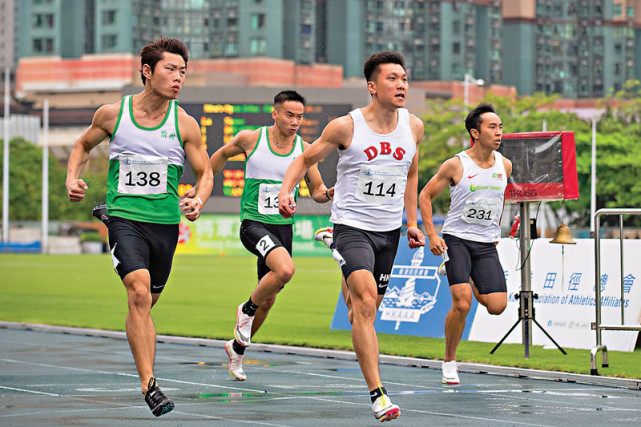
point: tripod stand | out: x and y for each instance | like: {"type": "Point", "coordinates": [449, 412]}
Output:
{"type": "Point", "coordinates": [526, 296]}
{"type": "Point", "coordinates": [526, 313]}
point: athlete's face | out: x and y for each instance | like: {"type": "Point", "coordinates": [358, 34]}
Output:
{"type": "Point", "coordinates": [491, 131]}
{"type": "Point", "coordinates": [168, 76]}
{"type": "Point", "coordinates": [288, 117]}
{"type": "Point", "coordinates": [390, 85]}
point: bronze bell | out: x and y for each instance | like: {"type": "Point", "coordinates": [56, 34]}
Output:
{"type": "Point", "coordinates": [563, 235]}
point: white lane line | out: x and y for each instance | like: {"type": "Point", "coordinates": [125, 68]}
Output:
{"type": "Point", "coordinates": [417, 411]}
{"type": "Point", "coordinates": [29, 391]}
{"type": "Point", "coordinates": [96, 371]}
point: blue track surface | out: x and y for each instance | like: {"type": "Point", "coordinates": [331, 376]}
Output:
{"type": "Point", "coordinates": [53, 378]}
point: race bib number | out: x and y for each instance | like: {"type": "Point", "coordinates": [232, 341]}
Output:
{"type": "Point", "coordinates": [482, 212]}
{"type": "Point", "coordinates": [268, 198]}
{"type": "Point", "coordinates": [380, 185]}
{"type": "Point", "coordinates": [142, 174]}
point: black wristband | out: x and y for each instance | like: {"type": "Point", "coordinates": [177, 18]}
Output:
{"type": "Point", "coordinates": [327, 195]}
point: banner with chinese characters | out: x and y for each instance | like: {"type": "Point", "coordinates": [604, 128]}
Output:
{"type": "Point", "coordinates": [219, 235]}
{"type": "Point", "coordinates": [418, 299]}
{"type": "Point", "coordinates": [563, 278]}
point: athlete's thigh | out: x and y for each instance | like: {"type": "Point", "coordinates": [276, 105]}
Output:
{"type": "Point", "coordinates": [261, 239]}
{"type": "Point", "coordinates": [459, 265]}
{"type": "Point", "coordinates": [355, 248]}
{"type": "Point", "coordinates": [487, 271]}
{"type": "Point", "coordinates": [163, 238]}
{"type": "Point", "coordinates": [130, 249]}
{"type": "Point", "coordinates": [385, 248]}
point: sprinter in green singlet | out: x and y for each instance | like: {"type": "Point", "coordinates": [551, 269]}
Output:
{"type": "Point", "coordinates": [263, 231]}
{"type": "Point", "coordinates": [149, 137]}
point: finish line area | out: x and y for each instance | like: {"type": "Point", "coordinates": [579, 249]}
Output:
{"type": "Point", "coordinates": [68, 376]}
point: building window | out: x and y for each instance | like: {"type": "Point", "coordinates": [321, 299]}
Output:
{"type": "Point", "coordinates": [618, 10]}
{"type": "Point", "coordinates": [231, 49]}
{"type": "Point", "coordinates": [109, 41]}
{"type": "Point", "coordinates": [257, 46]}
{"type": "Point", "coordinates": [629, 12]}
{"type": "Point", "coordinates": [49, 45]}
{"type": "Point", "coordinates": [108, 17]}
{"type": "Point", "coordinates": [258, 21]}
{"type": "Point", "coordinates": [37, 45]}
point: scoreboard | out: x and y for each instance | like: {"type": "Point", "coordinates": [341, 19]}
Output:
{"type": "Point", "coordinates": [220, 122]}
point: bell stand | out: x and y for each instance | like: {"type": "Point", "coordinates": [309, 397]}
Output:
{"type": "Point", "coordinates": [526, 296]}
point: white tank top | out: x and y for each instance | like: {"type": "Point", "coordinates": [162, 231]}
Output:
{"type": "Point", "coordinates": [477, 201]}
{"type": "Point", "coordinates": [264, 172]}
{"type": "Point", "coordinates": [371, 176]}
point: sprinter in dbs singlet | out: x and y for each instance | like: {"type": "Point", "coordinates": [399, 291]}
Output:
{"type": "Point", "coordinates": [377, 175]}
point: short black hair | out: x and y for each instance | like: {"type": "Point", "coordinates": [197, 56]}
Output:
{"type": "Point", "coordinates": [154, 51]}
{"type": "Point", "coordinates": [288, 95]}
{"type": "Point", "coordinates": [473, 119]}
{"type": "Point", "coordinates": [371, 67]}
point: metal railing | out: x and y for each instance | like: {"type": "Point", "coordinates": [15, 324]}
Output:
{"type": "Point", "coordinates": [598, 326]}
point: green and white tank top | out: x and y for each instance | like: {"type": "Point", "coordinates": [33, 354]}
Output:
{"type": "Point", "coordinates": [145, 166]}
{"type": "Point", "coordinates": [264, 172]}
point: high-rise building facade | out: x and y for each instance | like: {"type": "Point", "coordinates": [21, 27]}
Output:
{"type": "Point", "coordinates": [441, 40]}
{"type": "Point", "coordinates": [576, 48]}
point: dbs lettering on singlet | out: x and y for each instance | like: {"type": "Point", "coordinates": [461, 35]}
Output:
{"type": "Point", "coordinates": [142, 174]}
{"type": "Point", "coordinates": [384, 149]}
{"type": "Point", "coordinates": [380, 185]}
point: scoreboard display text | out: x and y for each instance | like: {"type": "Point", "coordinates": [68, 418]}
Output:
{"type": "Point", "coordinates": [220, 122]}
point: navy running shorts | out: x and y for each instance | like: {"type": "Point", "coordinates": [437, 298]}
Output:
{"type": "Point", "coordinates": [139, 245]}
{"type": "Point", "coordinates": [367, 250]}
{"type": "Point", "coordinates": [260, 239]}
{"type": "Point", "coordinates": [478, 260]}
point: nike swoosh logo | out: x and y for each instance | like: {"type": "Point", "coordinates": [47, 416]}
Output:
{"type": "Point", "coordinates": [472, 176]}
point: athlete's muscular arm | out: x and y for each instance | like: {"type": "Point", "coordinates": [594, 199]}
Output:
{"type": "Point", "coordinates": [414, 235]}
{"type": "Point", "coordinates": [450, 172]}
{"type": "Point", "coordinates": [243, 142]}
{"type": "Point", "coordinates": [197, 155]}
{"type": "Point", "coordinates": [102, 126]}
{"type": "Point", "coordinates": [507, 164]}
{"type": "Point", "coordinates": [317, 188]}
{"type": "Point", "coordinates": [336, 134]}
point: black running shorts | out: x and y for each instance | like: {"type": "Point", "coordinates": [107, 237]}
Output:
{"type": "Point", "coordinates": [478, 260]}
{"type": "Point", "coordinates": [139, 245]}
{"type": "Point", "coordinates": [367, 250]}
{"type": "Point", "coordinates": [260, 239]}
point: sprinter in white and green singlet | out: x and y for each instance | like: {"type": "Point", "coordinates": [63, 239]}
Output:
{"type": "Point", "coordinates": [477, 179]}
{"type": "Point", "coordinates": [263, 232]}
{"type": "Point", "coordinates": [150, 136]}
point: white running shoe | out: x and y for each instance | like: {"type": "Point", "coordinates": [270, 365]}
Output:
{"type": "Point", "coordinates": [235, 365]}
{"type": "Point", "coordinates": [384, 409]}
{"type": "Point", "coordinates": [450, 372]}
{"type": "Point", "coordinates": [243, 329]}
{"type": "Point", "coordinates": [441, 268]}
{"type": "Point", "coordinates": [325, 235]}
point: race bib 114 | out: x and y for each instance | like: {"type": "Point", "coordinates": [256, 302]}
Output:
{"type": "Point", "coordinates": [380, 185]}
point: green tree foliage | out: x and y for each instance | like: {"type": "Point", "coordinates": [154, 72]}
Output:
{"type": "Point", "coordinates": [25, 186]}
{"type": "Point", "coordinates": [618, 149]}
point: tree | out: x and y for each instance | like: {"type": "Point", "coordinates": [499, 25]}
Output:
{"type": "Point", "coordinates": [25, 186]}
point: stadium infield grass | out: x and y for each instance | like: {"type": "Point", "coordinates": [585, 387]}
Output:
{"type": "Point", "coordinates": [202, 295]}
